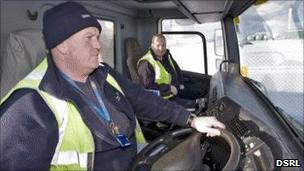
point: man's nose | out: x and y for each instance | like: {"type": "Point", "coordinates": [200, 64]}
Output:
{"type": "Point", "coordinates": [161, 48]}
{"type": "Point", "coordinates": [97, 44]}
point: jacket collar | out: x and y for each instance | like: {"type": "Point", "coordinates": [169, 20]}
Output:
{"type": "Point", "coordinates": [52, 81]}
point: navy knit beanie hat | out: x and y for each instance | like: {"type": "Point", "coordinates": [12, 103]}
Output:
{"type": "Point", "coordinates": [63, 20]}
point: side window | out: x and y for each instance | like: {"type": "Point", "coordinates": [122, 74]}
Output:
{"type": "Point", "coordinates": [189, 48]}
{"type": "Point", "coordinates": [107, 42]}
{"type": "Point", "coordinates": [271, 48]}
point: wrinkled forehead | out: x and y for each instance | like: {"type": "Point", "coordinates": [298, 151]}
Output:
{"type": "Point", "coordinates": [90, 30]}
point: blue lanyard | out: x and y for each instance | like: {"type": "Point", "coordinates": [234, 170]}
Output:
{"type": "Point", "coordinates": [103, 112]}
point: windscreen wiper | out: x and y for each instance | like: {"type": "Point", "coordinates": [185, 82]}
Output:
{"type": "Point", "coordinates": [259, 85]}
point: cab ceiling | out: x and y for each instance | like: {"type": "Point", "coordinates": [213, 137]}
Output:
{"type": "Point", "coordinates": [200, 11]}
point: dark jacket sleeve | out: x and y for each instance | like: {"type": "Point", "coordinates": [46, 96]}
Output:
{"type": "Point", "coordinates": [28, 134]}
{"type": "Point", "coordinates": [149, 106]}
{"type": "Point", "coordinates": [147, 78]}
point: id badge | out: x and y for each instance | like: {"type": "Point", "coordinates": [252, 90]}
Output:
{"type": "Point", "coordinates": [122, 140]}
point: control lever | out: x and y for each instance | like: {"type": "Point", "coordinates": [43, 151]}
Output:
{"type": "Point", "coordinates": [202, 104]}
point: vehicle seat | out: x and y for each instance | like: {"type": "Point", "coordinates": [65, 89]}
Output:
{"type": "Point", "coordinates": [134, 52]}
{"type": "Point", "coordinates": [24, 50]}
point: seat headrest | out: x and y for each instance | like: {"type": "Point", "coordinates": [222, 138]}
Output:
{"type": "Point", "coordinates": [25, 49]}
{"type": "Point", "coordinates": [133, 54]}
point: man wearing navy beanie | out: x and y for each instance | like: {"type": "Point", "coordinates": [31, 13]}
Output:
{"type": "Point", "coordinates": [62, 21]}
{"type": "Point", "coordinates": [73, 113]}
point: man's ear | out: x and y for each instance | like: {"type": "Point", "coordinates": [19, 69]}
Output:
{"type": "Point", "coordinates": [62, 47]}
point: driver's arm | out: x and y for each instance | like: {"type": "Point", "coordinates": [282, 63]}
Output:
{"type": "Point", "coordinates": [150, 107]}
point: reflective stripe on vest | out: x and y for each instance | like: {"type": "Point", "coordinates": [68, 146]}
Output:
{"type": "Point", "coordinates": [162, 76]}
{"type": "Point", "coordinates": [75, 149]}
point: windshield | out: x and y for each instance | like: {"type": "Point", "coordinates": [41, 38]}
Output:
{"type": "Point", "coordinates": [270, 39]}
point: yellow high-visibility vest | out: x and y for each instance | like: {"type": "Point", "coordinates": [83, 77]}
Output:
{"type": "Point", "coordinates": [162, 76]}
{"type": "Point", "coordinates": [75, 149]}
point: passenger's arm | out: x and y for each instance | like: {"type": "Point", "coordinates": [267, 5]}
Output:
{"type": "Point", "coordinates": [28, 133]}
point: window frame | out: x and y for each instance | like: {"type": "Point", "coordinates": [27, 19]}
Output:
{"type": "Point", "coordinates": [114, 38]}
{"type": "Point", "coordinates": [203, 41]}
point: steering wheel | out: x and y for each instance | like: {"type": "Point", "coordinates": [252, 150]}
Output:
{"type": "Point", "coordinates": [164, 144]}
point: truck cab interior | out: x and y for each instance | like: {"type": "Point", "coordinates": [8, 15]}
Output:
{"type": "Point", "coordinates": [204, 38]}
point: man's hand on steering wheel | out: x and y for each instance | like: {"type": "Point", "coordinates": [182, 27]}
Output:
{"type": "Point", "coordinates": [207, 124]}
